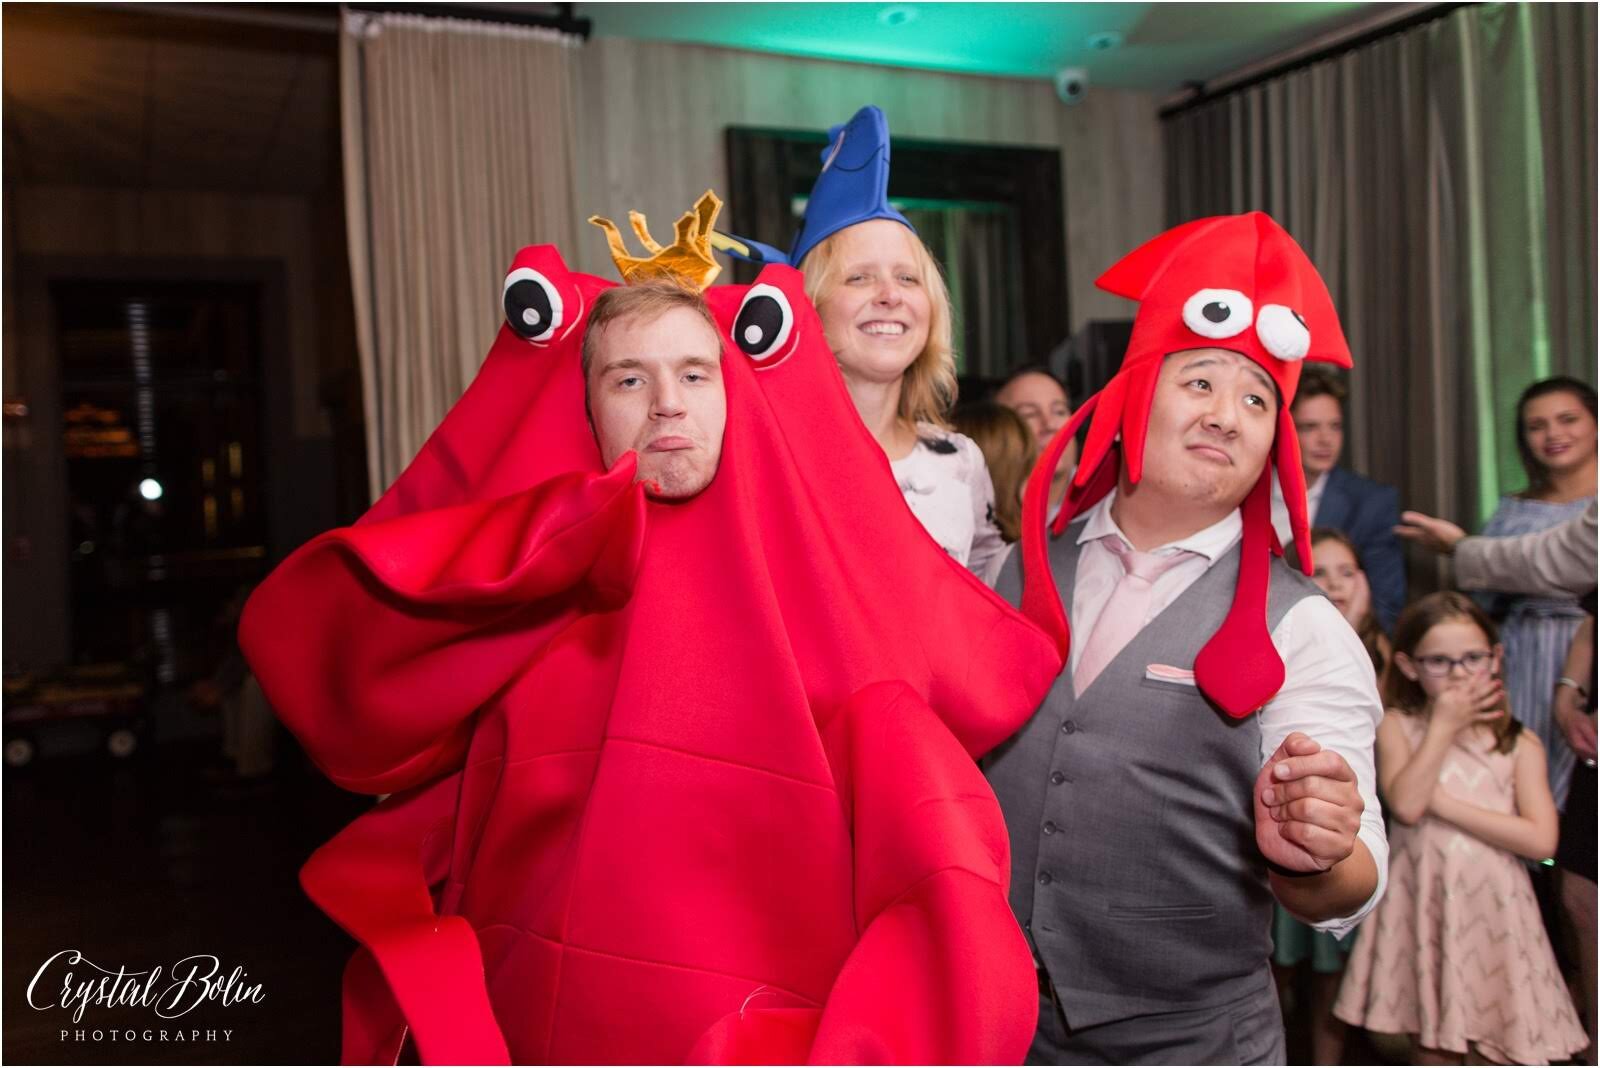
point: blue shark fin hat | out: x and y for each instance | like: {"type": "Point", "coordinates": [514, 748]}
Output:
{"type": "Point", "coordinates": [852, 188]}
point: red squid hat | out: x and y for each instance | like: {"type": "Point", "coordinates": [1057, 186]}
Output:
{"type": "Point", "coordinates": [1236, 282]}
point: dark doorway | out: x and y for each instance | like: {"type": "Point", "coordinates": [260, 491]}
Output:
{"type": "Point", "coordinates": [991, 214]}
{"type": "Point", "coordinates": [162, 438]}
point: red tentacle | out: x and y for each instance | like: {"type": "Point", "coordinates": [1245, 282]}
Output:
{"type": "Point", "coordinates": [1239, 668]}
{"type": "Point", "coordinates": [1292, 478]}
{"type": "Point", "coordinates": [1040, 600]}
{"type": "Point", "coordinates": [1141, 391]}
{"type": "Point", "coordinates": [1103, 430]}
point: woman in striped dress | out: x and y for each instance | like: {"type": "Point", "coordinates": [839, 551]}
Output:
{"type": "Point", "coordinates": [1556, 441]}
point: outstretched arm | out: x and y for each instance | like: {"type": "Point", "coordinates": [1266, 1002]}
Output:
{"type": "Point", "coordinates": [1547, 563]}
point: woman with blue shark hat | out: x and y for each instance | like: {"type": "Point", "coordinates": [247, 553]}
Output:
{"type": "Point", "coordinates": [886, 313]}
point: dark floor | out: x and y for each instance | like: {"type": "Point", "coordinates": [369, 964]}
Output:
{"type": "Point", "coordinates": [146, 862]}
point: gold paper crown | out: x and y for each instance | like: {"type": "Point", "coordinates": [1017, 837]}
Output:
{"type": "Point", "coordinates": [687, 260]}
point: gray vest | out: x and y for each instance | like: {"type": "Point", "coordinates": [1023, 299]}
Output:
{"type": "Point", "coordinates": [1134, 868]}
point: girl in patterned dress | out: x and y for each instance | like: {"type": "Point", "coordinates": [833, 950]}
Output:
{"type": "Point", "coordinates": [1455, 955]}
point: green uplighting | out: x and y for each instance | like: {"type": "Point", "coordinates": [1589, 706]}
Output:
{"type": "Point", "coordinates": [1126, 45]}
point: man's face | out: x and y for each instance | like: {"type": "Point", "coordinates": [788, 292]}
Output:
{"type": "Point", "coordinates": [1320, 423]}
{"type": "Point", "coordinates": [1041, 402]}
{"type": "Point", "coordinates": [1212, 423]}
{"type": "Point", "coordinates": [655, 386]}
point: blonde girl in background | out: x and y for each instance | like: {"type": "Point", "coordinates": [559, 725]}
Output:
{"type": "Point", "coordinates": [1337, 571]}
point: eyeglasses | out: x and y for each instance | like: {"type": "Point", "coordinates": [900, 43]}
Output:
{"type": "Point", "coordinates": [1439, 667]}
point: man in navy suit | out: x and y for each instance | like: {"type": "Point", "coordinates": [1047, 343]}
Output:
{"type": "Point", "coordinates": [1366, 511]}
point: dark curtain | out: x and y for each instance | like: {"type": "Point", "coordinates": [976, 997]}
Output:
{"type": "Point", "coordinates": [1443, 180]}
{"type": "Point", "coordinates": [979, 246]}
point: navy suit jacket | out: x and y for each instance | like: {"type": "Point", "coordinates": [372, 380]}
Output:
{"type": "Point", "coordinates": [1367, 512]}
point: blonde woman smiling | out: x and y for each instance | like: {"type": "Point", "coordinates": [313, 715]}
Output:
{"type": "Point", "coordinates": [886, 313]}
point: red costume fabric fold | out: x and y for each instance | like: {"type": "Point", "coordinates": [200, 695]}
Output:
{"type": "Point", "coordinates": [697, 778]}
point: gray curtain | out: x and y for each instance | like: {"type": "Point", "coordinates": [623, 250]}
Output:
{"type": "Point", "coordinates": [458, 151]}
{"type": "Point", "coordinates": [979, 247]}
{"type": "Point", "coordinates": [1443, 181]}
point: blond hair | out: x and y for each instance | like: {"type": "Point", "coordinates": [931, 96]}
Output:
{"type": "Point", "coordinates": [1009, 449]}
{"type": "Point", "coordinates": [643, 300]}
{"type": "Point", "coordinates": [928, 386]}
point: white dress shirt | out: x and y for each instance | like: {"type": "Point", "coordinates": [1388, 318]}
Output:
{"type": "Point", "coordinates": [1280, 507]}
{"type": "Point", "coordinates": [1330, 692]}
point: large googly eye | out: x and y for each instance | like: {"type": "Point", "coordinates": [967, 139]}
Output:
{"type": "Point", "coordinates": [1283, 332]}
{"type": "Point", "coordinates": [1217, 313]}
{"type": "Point", "coordinates": [533, 305]}
{"type": "Point", "coordinates": [764, 322]}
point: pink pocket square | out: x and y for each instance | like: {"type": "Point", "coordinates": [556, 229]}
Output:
{"type": "Point", "coordinates": [1168, 673]}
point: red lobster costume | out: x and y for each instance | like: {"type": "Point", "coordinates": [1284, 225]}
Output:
{"type": "Point", "coordinates": [1236, 282]}
{"type": "Point", "coordinates": [672, 780]}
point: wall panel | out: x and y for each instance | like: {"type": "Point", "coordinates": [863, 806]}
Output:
{"type": "Point", "coordinates": [650, 137]}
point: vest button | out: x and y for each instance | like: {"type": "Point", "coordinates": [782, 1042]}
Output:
{"type": "Point", "coordinates": [1056, 778]}
{"type": "Point", "coordinates": [1050, 828]}
{"type": "Point", "coordinates": [1069, 727]}
{"type": "Point", "coordinates": [1044, 878]}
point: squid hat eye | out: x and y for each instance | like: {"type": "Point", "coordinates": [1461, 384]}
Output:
{"type": "Point", "coordinates": [764, 322]}
{"type": "Point", "coordinates": [533, 305]}
{"type": "Point", "coordinates": [1283, 332]}
{"type": "Point", "coordinates": [1218, 313]}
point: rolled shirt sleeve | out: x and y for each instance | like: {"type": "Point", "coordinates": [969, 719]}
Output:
{"type": "Point", "coordinates": [1549, 563]}
{"type": "Point", "coordinates": [1330, 694]}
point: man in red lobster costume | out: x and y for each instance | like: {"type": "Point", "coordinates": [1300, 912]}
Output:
{"type": "Point", "coordinates": [673, 780]}
{"type": "Point", "coordinates": [1208, 748]}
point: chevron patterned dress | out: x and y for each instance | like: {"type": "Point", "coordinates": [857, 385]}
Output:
{"type": "Point", "coordinates": [1456, 953]}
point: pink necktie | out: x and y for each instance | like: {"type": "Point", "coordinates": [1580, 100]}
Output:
{"type": "Point", "coordinates": [1125, 610]}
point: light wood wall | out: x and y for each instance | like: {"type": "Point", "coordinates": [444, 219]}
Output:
{"type": "Point", "coordinates": [653, 116]}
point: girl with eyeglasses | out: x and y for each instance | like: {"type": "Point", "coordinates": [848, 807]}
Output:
{"type": "Point", "coordinates": [1455, 955]}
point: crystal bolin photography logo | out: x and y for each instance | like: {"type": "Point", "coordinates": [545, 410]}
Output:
{"type": "Point", "coordinates": [192, 982]}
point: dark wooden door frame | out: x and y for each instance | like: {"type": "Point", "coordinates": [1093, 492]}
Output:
{"type": "Point", "coordinates": [768, 168]}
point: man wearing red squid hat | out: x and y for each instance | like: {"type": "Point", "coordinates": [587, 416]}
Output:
{"type": "Point", "coordinates": [1208, 746]}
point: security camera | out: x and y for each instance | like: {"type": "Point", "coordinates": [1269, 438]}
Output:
{"type": "Point", "coordinates": [1071, 84]}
